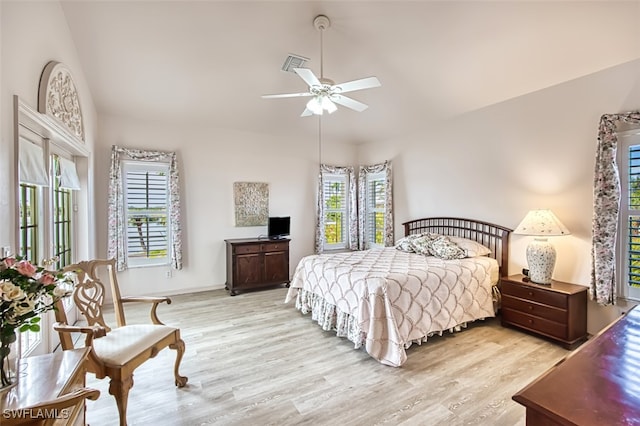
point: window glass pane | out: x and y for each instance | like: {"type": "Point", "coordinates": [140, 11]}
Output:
{"type": "Point", "coordinates": [62, 216]}
{"type": "Point", "coordinates": [634, 251]}
{"type": "Point", "coordinates": [28, 243]}
{"type": "Point", "coordinates": [376, 200]}
{"type": "Point", "coordinates": [634, 177]}
{"type": "Point", "coordinates": [335, 216]}
{"type": "Point", "coordinates": [147, 214]}
{"type": "Point", "coordinates": [28, 246]}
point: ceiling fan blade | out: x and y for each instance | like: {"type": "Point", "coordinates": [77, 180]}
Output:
{"type": "Point", "coordinates": [287, 95]}
{"type": "Point", "coordinates": [308, 76]}
{"type": "Point", "coordinates": [363, 83]}
{"type": "Point", "coordinates": [349, 103]}
{"type": "Point", "coordinates": [306, 113]}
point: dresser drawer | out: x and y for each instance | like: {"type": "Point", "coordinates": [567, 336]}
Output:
{"type": "Point", "coordinates": [275, 246]}
{"type": "Point", "coordinates": [539, 295]}
{"type": "Point", "coordinates": [247, 249]}
{"type": "Point", "coordinates": [533, 308]}
{"type": "Point", "coordinates": [530, 322]}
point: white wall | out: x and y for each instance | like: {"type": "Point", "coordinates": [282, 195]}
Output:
{"type": "Point", "coordinates": [496, 163]}
{"type": "Point", "coordinates": [32, 34]}
{"type": "Point", "coordinates": [493, 164]}
{"type": "Point", "coordinates": [211, 160]}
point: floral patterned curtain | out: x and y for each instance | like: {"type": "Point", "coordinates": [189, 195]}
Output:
{"type": "Point", "coordinates": [388, 210]}
{"type": "Point", "coordinates": [606, 208]}
{"type": "Point", "coordinates": [117, 219]}
{"type": "Point", "coordinates": [349, 172]}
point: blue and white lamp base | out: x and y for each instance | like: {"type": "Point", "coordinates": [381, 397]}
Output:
{"type": "Point", "coordinates": [541, 257]}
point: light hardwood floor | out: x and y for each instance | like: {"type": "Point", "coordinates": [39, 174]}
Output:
{"type": "Point", "coordinates": [252, 360]}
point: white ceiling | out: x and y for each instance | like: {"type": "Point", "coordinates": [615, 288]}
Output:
{"type": "Point", "coordinates": [209, 61]}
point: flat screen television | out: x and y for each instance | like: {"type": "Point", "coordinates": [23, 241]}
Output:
{"type": "Point", "coordinates": [278, 227]}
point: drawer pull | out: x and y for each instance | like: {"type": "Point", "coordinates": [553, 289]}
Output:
{"type": "Point", "coordinates": [530, 307]}
{"type": "Point", "coordinates": [530, 321]}
{"type": "Point", "coordinates": [530, 294]}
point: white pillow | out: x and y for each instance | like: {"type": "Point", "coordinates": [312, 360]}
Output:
{"type": "Point", "coordinates": [472, 248]}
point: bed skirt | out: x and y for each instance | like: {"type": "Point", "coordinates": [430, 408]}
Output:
{"type": "Point", "coordinates": [330, 318]}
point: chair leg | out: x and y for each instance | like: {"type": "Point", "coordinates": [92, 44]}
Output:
{"type": "Point", "coordinates": [120, 390]}
{"type": "Point", "coordinates": [181, 381]}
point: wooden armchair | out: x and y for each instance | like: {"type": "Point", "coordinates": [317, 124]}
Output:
{"type": "Point", "coordinates": [115, 352]}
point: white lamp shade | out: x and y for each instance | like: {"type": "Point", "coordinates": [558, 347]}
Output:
{"type": "Point", "coordinates": [541, 223]}
{"type": "Point", "coordinates": [541, 255]}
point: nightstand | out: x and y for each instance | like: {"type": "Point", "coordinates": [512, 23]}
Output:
{"type": "Point", "coordinates": [557, 311]}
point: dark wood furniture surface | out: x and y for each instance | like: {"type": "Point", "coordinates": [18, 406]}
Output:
{"type": "Point", "coordinates": [595, 385]}
{"type": "Point", "coordinates": [45, 378]}
{"type": "Point", "coordinates": [557, 311]}
{"type": "Point", "coordinates": [255, 263]}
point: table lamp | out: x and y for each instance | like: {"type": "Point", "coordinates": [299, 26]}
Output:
{"type": "Point", "coordinates": [541, 256]}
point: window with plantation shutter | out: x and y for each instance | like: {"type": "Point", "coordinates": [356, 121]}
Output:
{"type": "Point", "coordinates": [146, 209]}
{"type": "Point", "coordinates": [336, 212]}
{"type": "Point", "coordinates": [375, 209]}
{"type": "Point", "coordinates": [629, 229]}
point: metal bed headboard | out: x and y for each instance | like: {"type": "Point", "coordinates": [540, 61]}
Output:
{"type": "Point", "coordinates": [495, 237]}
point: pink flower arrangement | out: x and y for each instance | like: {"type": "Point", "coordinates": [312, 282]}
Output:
{"type": "Point", "coordinates": [26, 291]}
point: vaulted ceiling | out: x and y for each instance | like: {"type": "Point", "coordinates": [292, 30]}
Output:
{"type": "Point", "coordinates": [208, 62]}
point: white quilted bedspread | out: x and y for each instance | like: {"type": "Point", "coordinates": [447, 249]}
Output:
{"type": "Point", "coordinates": [393, 298]}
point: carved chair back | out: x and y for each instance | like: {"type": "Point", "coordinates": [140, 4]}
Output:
{"type": "Point", "coordinates": [88, 293]}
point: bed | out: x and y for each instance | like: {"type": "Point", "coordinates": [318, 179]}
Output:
{"type": "Point", "coordinates": [387, 299]}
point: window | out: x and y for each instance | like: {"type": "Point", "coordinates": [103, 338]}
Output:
{"type": "Point", "coordinates": [29, 239]}
{"type": "Point", "coordinates": [62, 216]}
{"type": "Point", "coordinates": [144, 209]}
{"type": "Point", "coordinates": [45, 216]}
{"type": "Point", "coordinates": [629, 226]}
{"type": "Point", "coordinates": [354, 220]}
{"type": "Point", "coordinates": [375, 202]}
{"type": "Point", "coordinates": [146, 204]}
{"type": "Point", "coordinates": [335, 210]}
{"type": "Point", "coordinates": [375, 206]}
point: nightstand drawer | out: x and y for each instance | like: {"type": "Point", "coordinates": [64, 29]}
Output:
{"type": "Point", "coordinates": [539, 325]}
{"type": "Point", "coordinates": [532, 308]}
{"type": "Point", "coordinates": [546, 297]}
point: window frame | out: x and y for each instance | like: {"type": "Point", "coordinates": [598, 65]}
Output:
{"type": "Point", "coordinates": [61, 228]}
{"type": "Point", "coordinates": [146, 166]}
{"type": "Point", "coordinates": [626, 140]}
{"type": "Point", "coordinates": [327, 179]}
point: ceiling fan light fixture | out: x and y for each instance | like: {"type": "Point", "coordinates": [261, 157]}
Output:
{"type": "Point", "coordinates": [324, 93]}
{"type": "Point", "coordinates": [315, 105]}
{"type": "Point", "coordinates": [327, 105]}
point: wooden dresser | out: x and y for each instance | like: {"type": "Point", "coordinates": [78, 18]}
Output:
{"type": "Point", "coordinates": [255, 262]}
{"type": "Point", "coordinates": [595, 385]}
{"type": "Point", "coordinates": [557, 311]}
{"type": "Point", "coordinates": [45, 378]}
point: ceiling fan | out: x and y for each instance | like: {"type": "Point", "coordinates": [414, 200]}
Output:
{"type": "Point", "coordinates": [324, 92]}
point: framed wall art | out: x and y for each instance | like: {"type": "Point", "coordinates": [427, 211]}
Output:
{"type": "Point", "coordinates": [251, 200]}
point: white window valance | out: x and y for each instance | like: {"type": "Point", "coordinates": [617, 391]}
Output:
{"type": "Point", "coordinates": [32, 169]}
{"type": "Point", "coordinates": [68, 175]}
